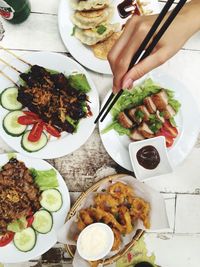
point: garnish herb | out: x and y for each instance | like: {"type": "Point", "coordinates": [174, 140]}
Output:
{"type": "Point", "coordinates": [101, 29]}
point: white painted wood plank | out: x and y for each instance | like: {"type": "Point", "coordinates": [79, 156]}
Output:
{"type": "Point", "coordinates": [38, 32]}
{"type": "Point", "coordinates": [174, 250]}
{"type": "Point", "coordinates": [50, 6]}
{"type": "Point", "coordinates": [188, 214]}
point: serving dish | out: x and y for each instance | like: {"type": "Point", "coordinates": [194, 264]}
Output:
{"type": "Point", "coordinates": [66, 143]}
{"type": "Point", "coordinates": [151, 204]}
{"type": "Point", "coordinates": [117, 146]}
{"type": "Point", "coordinates": [43, 242]}
{"type": "Point", "coordinates": [81, 52]}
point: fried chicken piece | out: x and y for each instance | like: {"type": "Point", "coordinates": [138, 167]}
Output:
{"type": "Point", "coordinates": [125, 218]}
{"type": "Point", "coordinates": [106, 202]}
{"type": "Point", "coordinates": [120, 191]}
{"type": "Point", "coordinates": [117, 239]}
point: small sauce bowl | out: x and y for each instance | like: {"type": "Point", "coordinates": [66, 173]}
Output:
{"type": "Point", "coordinates": [95, 241]}
{"type": "Point", "coordinates": [164, 165]}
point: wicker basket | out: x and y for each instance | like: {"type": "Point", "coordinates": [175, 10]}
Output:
{"type": "Point", "coordinates": [71, 249]}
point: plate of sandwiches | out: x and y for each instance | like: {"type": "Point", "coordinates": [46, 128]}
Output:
{"type": "Point", "coordinates": [157, 106]}
{"type": "Point", "coordinates": [90, 28]}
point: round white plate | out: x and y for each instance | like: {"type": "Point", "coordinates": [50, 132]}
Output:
{"type": "Point", "coordinates": [9, 253]}
{"type": "Point", "coordinates": [68, 142]}
{"type": "Point", "coordinates": [82, 53]}
{"type": "Point", "coordinates": [117, 146]}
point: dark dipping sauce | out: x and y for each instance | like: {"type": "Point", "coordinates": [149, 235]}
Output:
{"type": "Point", "coordinates": [148, 157]}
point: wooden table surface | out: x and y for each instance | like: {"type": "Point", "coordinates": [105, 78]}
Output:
{"type": "Point", "coordinates": [175, 247]}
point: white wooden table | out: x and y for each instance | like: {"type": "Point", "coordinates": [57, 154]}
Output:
{"type": "Point", "coordinates": [176, 247]}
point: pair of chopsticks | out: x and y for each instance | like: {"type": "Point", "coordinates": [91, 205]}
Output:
{"type": "Point", "coordinates": [9, 65]}
{"type": "Point", "coordinates": [142, 52]}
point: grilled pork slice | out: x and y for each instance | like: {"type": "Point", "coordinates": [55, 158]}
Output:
{"type": "Point", "coordinates": [145, 130]}
{"type": "Point", "coordinates": [131, 113]}
{"type": "Point", "coordinates": [136, 136]}
{"type": "Point", "coordinates": [169, 112]}
{"type": "Point", "coordinates": [124, 120]}
{"type": "Point", "coordinates": [160, 100]}
{"type": "Point", "coordinates": [146, 113]}
{"type": "Point", "coordinates": [148, 102]}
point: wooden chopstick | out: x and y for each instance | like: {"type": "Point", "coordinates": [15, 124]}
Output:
{"type": "Point", "coordinates": [8, 64]}
{"type": "Point", "coordinates": [140, 50]}
{"type": "Point", "coordinates": [16, 56]}
{"type": "Point", "coordinates": [7, 77]}
{"type": "Point", "coordinates": [137, 57]}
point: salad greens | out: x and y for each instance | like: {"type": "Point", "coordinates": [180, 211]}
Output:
{"type": "Point", "coordinates": [17, 225]}
{"type": "Point", "coordinates": [133, 98]}
{"type": "Point", "coordinates": [45, 179]}
{"type": "Point", "coordinates": [79, 82]}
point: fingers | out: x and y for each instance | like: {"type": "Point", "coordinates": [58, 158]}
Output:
{"type": "Point", "coordinates": [145, 66]}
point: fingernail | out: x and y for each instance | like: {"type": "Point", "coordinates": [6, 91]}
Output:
{"type": "Point", "coordinates": [127, 84]}
{"type": "Point", "coordinates": [114, 89]}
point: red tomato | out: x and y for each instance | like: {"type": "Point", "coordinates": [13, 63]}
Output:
{"type": "Point", "coordinates": [169, 139]}
{"type": "Point", "coordinates": [30, 220]}
{"type": "Point", "coordinates": [6, 239]}
{"type": "Point", "coordinates": [51, 130]}
{"type": "Point", "coordinates": [171, 129]}
{"type": "Point", "coordinates": [36, 132]}
{"type": "Point", "coordinates": [31, 114]}
{"type": "Point", "coordinates": [26, 120]}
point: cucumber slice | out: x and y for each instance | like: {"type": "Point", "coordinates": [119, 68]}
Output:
{"type": "Point", "coordinates": [25, 240]}
{"type": "Point", "coordinates": [33, 146]}
{"type": "Point", "coordinates": [51, 200]}
{"type": "Point", "coordinates": [9, 99]}
{"type": "Point", "coordinates": [43, 221]}
{"type": "Point", "coordinates": [10, 124]}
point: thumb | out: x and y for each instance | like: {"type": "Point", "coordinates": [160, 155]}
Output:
{"type": "Point", "coordinates": [146, 65]}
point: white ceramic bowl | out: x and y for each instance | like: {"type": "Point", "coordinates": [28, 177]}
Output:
{"type": "Point", "coordinates": [89, 241]}
{"type": "Point", "coordinates": [163, 167]}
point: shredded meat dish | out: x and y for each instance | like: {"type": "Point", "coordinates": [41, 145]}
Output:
{"type": "Point", "coordinates": [18, 193]}
{"type": "Point", "coordinates": [52, 98]}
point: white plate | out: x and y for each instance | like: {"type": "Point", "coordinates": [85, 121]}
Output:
{"type": "Point", "coordinates": [187, 120]}
{"type": "Point", "coordinates": [82, 53]}
{"type": "Point", "coordinates": [9, 253]}
{"type": "Point", "coordinates": [68, 142]}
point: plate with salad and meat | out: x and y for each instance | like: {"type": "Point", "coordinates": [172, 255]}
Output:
{"type": "Point", "coordinates": [158, 105]}
{"type": "Point", "coordinates": [49, 112]}
{"type": "Point", "coordinates": [34, 203]}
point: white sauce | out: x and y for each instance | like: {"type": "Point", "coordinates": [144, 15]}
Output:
{"type": "Point", "coordinates": [95, 241]}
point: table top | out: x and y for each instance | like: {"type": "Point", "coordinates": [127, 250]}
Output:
{"type": "Point", "coordinates": [175, 247]}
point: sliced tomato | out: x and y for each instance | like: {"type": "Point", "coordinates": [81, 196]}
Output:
{"type": "Point", "coordinates": [31, 114]}
{"type": "Point", "coordinates": [51, 130]}
{"type": "Point", "coordinates": [26, 120]}
{"type": "Point", "coordinates": [171, 129]}
{"type": "Point", "coordinates": [169, 139]}
{"type": "Point", "coordinates": [36, 132]}
{"type": "Point", "coordinates": [30, 220]}
{"type": "Point", "coordinates": [6, 239]}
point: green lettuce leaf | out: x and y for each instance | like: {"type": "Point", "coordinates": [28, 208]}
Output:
{"type": "Point", "coordinates": [45, 179]}
{"type": "Point", "coordinates": [79, 82]}
{"type": "Point", "coordinates": [17, 225]}
{"type": "Point", "coordinates": [118, 128]}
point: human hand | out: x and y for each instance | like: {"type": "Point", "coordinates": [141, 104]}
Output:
{"type": "Point", "coordinates": [183, 27]}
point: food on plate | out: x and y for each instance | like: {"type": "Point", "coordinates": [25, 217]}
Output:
{"type": "Point", "coordinates": [102, 49]}
{"type": "Point", "coordinates": [93, 28]}
{"type": "Point", "coordinates": [89, 4]}
{"type": "Point", "coordinates": [55, 104]}
{"type": "Point", "coordinates": [146, 111]}
{"type": "Point", "coordinates": [95, 35]}
{"type": "Point", "coordinates": [28, 197]}
{"type": "Point", "coordinates": [148, 157]}
{"type": "Point", "coordinates": [91, 19]}
{"type": "Point", "coordinates": [118, 207]}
